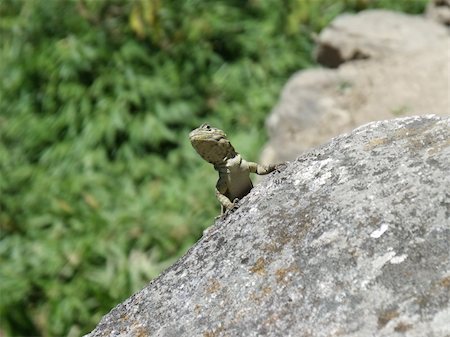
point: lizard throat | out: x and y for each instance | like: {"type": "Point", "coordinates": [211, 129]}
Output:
{"type": "Point", "coordinates": [228, 162]}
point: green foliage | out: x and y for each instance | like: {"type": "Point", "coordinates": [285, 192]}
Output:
{"type": "Point", "coordinates": [99, 188]}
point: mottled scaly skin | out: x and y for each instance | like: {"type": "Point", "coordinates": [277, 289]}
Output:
{"type": "Point", "coordinates": [234, 181]}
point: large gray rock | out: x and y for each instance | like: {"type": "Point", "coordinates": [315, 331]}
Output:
{"type": "Point", "coordinates": [405, 72]}
{"type": "Point", "coordinates": [351, 239]}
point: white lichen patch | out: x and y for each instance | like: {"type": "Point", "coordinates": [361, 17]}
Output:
{"type": "Point", "coordinates": [343, 175]}
{"type": "Point", "coordinates": [323, 178]}
{"type": "Point", "coordinates": [440, 322]}
{"type": "Point", "coordinates": [398, 259]}
{"type": "Point", "coordinates": [380, 231]}
{"type": "Point", "coordinates": [326, 238]}
{"type": "Point", "coordinates": [316, 175]}
{"type": "Point", "coordinates": [380, 261]}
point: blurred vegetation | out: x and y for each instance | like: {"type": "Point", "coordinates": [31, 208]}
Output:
{"type": "Point", "coordinates": [99, 187]}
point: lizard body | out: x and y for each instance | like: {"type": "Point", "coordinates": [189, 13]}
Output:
{"type": "Point", "coordinates": [234, 182]}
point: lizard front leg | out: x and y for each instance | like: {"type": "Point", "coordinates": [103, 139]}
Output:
{"type": "Point", "coordinates": [221, 189]}
{"type": "Point", "coordinates": [260, 169]}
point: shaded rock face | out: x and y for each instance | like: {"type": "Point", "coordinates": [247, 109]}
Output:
{"type": "Point", "coordinates": [351, 239]}
{"type": "Point", "coordinates": [390, 65]}
{"type": "Point", "coordinates": [439, 10]}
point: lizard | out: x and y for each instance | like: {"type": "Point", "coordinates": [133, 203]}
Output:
{"type": "Point", "coordinates": [213, 145]}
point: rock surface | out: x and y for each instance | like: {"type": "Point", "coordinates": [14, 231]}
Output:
{"type": "Point", "coordinates": [351, 239]}
{"type": "Point", "coordinates": [390, 65]}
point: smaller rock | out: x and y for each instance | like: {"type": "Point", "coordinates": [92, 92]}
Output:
{"type": "Point", "coordinates": [405, 73]}
{"type": "Point", "coordinates": [439, 10]}
{"type": "Point", "coordinates": [375, 34]}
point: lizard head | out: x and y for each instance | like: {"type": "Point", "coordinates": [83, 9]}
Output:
{"type": "Point", "coordinates": [211, 144]}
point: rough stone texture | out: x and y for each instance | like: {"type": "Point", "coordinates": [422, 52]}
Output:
{"type": "Point", "coordinates": [351, 239]}
{"type": "Point", "coordinates": [405, 71]}
{"type": "Point", "coordinates": [439, 10]}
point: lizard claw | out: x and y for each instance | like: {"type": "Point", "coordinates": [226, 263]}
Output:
{"type": "Point", "coordinates": [234, 205]}
{"type": "Point", "coordinates": [280, 167]}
